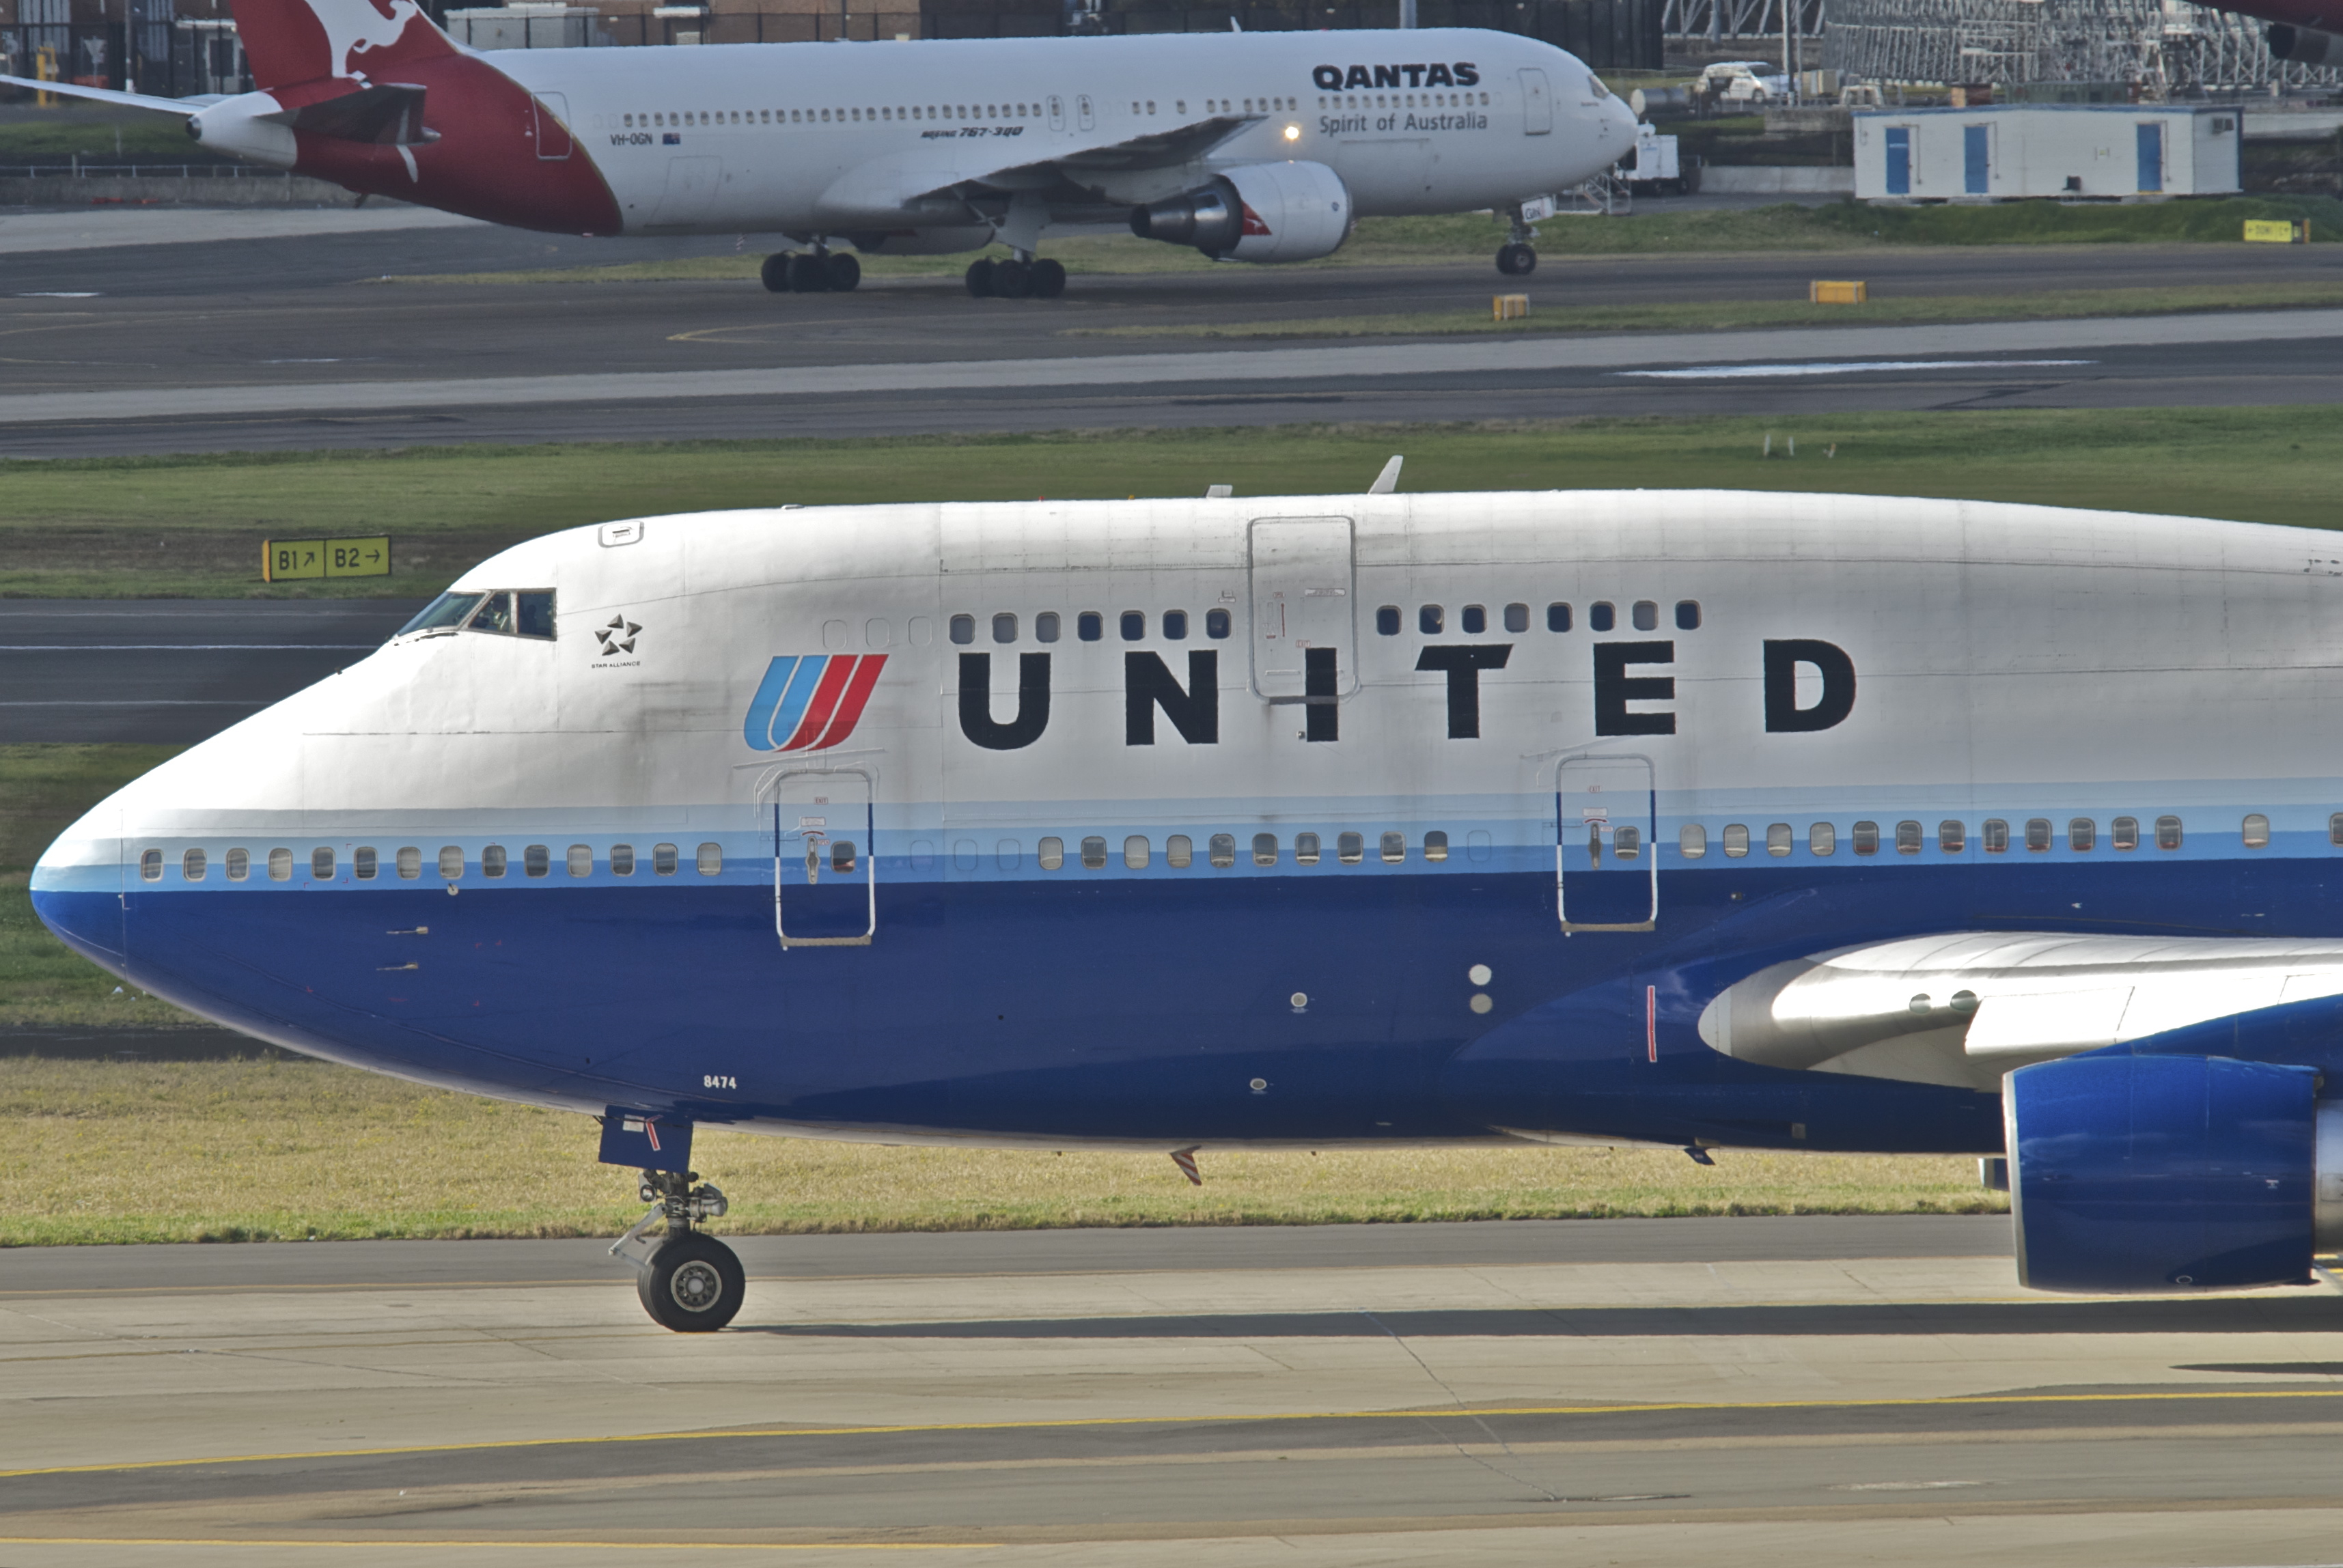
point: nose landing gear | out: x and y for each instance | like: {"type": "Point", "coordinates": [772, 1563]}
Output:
{"type": "Point", "coordinates": [688, 1281]}
{"type": "Point", "coordinates": [816, 271]}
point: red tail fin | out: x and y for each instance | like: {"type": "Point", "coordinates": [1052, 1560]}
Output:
{"type": "Point", "coordinates": [290, 41]}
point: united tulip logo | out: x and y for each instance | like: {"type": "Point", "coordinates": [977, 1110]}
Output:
{"type": "Point", "coordinates": [811, 702]}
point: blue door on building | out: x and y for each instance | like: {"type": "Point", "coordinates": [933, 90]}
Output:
{"type": "Point", "coordinates": [1899, 160]}
{"type": "Point", "coordinates": [1975, 160]}
{"type": "Point", "coordinates": [2151, 157]}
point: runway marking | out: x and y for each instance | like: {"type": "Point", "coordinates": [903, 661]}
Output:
{"type": "Point", "coordinates": [1099, 1423]}
{"type": "Point", "coordinates": [1727, 372]}
{"type": "Point", "coordinates": [404, 1545]}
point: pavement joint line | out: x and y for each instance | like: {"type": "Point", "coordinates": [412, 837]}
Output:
{"type": "Point", "coordinates": [404, 1545]}
{"type": "Point", "coordinates": [1098, 1422]}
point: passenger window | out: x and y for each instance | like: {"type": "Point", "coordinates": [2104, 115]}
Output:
{"type": "Point", "coordinates": [192, 866]}
{"type": "Point", "coordinates": [1045, 626]}
{"type": "Point", "coordinates": [1647, 614]}
{"type": "Point", "coordinates": [963, 629]}
{"type": "Point", "coordinates": [2123, 833]}
{"type": "Point", "coordinates": [2038, 835]}
{"type": "Point", "coordinates": [1557, 617]}
{"type": "Point", "coordinates": [1907, 838]}
{"type": "Point", "coordinates": [321, 865]}
{"type": "Point", "coordinates": [150, 865]}
{"type": "Point", "coordinates": [1822, 839]}
{"type": "Point", "coordinates": [410, 863]}
{"type": "Point", "coordinates": [1477, 619]}
{"type": "Point", "coordinates": [1222, 851]}
{"type": "Point", "coordinates": [2257, 833]}
{"type": "Point", "coordinates": [1866, 837]}
{"type": "Point", "coordinates": [1178, 851]}
{"type": "Point", "coordinates": [2082, 835]}
{"type": "Point", "coordinates": [1050, 853]}
{"type": "Point", "coordinates": [2167, 832]}
{"type": "Point", "coordinates": [1004, 627]}
{"type": "Point", "coordinates": [1479, 846]}
{"type": "Point", "coordinates": [1135, 852]}
{"type": "Point", "coordinates": [1387, 625]}
{"type": "Point", "coordinates": [1736, 840]}
{"type": "Point", "coordinates": [1435, 845]}
{"type": "Point", "coordinates": [1601, 617]}
{"type": "Point", "coordinates": [1305, 848]}
{"type": "Point", "coordinates": [1094, 854]}
{"type": "Point", "coordinates": [1175, 626]}
{"type": "Point", "coordinates": [1517, 618]}
{"type": "Point", "coordinates": [1952, 838]}
{"type": "Point", "coordinates": [1777, 840]}
{"type": "Point", "coordinates": [280, 865]}
{"type": "Point", "coordinates": [364, 864]}
{"type": "Point", "coordinates": [1627, 844]}
{"type": "Point", "coordinates": [709, 861]}
{"type": "Point", "coordinates": [841, 856]}
{"type": "Point", "coordinates": [1216, 623]}
{"type": "Point", "coordinates": [1349, 849]}
{"type": "Point", "coordinates": [1007, 854]}
{"type": "Point", "coordinates": [495, 614]}
{"type": "Point", "coordinates": [580, 859]}
{"type": "Point", "coordinates": [1264, 849]}
{"type": "Point", "coordinates": [1134, 625]}
{"type": "Point", "coordinates": [451, 863]}
{"type": "Point", "coordinates": [2334, 829]}
{"type": "Point", "coordinates": [1687, 614]}
{"type": "Point", "coordinates": [622, 860]}
{"type": "Point", "coordinates": [1430, 619]}
{"type": "Point", "coordinates": [665, 860]}
{"type": "Point", "coordinates": [1692, 841]}
{"type": "Point", "coordinates": [1394, 848]}
{"type": "Point", "coordinates": [1089, 626]}
{"type": "Point", "coordinates": [535, 861]}
{"type": "Point", "coordinates": [239, 865]}
{"type": "Point", "coordinates": [1993, 836]}
{"type": "Point", "coordinates": [535, 613]}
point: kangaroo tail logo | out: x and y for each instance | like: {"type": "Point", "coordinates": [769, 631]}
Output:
{"type": "Point", "coordinates": [292, 41]}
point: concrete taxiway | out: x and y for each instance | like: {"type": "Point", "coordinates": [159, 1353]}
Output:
{"type": "Point", "coordinates": [1777, 1391]}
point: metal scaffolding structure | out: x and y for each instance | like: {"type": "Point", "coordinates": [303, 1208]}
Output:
{"type": "Point", "coordinates": [1752, 21]}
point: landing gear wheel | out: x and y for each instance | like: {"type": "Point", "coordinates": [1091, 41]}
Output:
{"type": "Point", "coordinates": [1013, 279]}
{"type": "Point", "coordinates": [1049, 280]}
{"type": "Point", "coordinates": [844, 272]}
{"type": "Point", "coordinates": [808, 275]}
{"type": "Point", "coordinates": [692, 1284]}
{"type": "Point", "coordinates": [980, 279]}
{"type": "Point", "coordinates": [1517, 260]}
{"type": "Point", "coordinates": [775, 274]}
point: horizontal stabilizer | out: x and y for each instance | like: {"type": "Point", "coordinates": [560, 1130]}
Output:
{"type": "Point", "coordinates": [388, 115]}
{"type": "Point", "coordinates": [109, 95]}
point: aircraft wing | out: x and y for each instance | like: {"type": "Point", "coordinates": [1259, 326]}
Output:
{"type": "Point", "coordinates": [934, 176]}
{"type": "Point", "coordinates": [109, 95]}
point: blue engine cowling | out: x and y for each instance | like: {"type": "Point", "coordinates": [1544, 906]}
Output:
{"type": "Point", "coordinates": [2141, 1173]}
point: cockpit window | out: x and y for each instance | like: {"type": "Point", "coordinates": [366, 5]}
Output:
{"type": "Point", "coordinates": [496, 615]}
{"type": "Point", "coordinates": [447, 610]}
{"type": "Point", "coordinates": [536, 615]}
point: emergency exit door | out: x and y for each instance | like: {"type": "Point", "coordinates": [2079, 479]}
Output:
{"type": "Point", "coordinates": [1304, 620]}
{"type": "Point", "coordinates": [1606, 859]}
{"type": "Point", "coordinates": [550, 114]}
{"type": "Point", "coordinates": [825, 864]}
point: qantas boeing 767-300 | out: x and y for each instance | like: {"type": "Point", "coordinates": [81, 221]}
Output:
{"type": "Point", "coordinates": [1260, 146]}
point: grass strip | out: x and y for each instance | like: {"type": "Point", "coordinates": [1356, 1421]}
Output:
{"type": "Point", "coordinates": [1720, 315]}
{"type": "Point", "coordinates": [1655, 229]}
{"type": "Point", "coordinates": [192, 525]}
{"type": "Point", "coordinates": [287, 1150]}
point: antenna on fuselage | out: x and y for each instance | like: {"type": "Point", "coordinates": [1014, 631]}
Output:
{"type": "Point", "coordinates": [1388, 481]}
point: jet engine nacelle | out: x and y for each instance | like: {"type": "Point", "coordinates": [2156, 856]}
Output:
{"type": "Point", "coordinates": [1260, 212]}
{"type": "Point", "coordinates": [2304, 45]}
{"type": "Point", "coordinates": [2141, 1173]}
{"type": "Point", "coordinates": [250, 126]}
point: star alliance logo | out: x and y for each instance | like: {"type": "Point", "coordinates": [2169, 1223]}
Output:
{"type": "Point", "coordinates": [619, 637]}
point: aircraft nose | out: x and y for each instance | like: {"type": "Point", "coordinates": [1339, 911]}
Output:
{"type": "Point", "coordinates": [77, 888]}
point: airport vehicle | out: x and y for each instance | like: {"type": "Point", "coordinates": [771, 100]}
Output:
{"type": "Point", "coordinates": [1691, 818]}
{"type": "Point", "coordinates": [1259, 147]}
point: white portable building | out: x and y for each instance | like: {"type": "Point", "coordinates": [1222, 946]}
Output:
{"type": "Point", "coordinates": [2053, 150]}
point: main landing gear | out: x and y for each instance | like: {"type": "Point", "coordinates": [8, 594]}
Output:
{"type": "Point", "coordinates": [811, 272]}
{"type": "Point", "coordinates": [1517, 257]}
{"type": "Point", "coordinates": [1019, 277]}
{"type": "Point", "coordinates": [688, 1281]}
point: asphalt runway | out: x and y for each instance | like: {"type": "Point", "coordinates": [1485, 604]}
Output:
{"type": "Point", "coordinates": [1785, 1391]}
{"type": "Point", "coordinates": [286, 343]}
{"type": "Point", "coordinates": [171, 670]}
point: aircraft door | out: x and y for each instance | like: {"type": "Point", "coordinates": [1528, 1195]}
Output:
{"type": "Point", "coordinates": [825, 871]}
{"type": "Point", "coordinates": [1304, 625]}
{"type": "Point", "coordinates": [1606, 859]}
{"type": "Point", "coordinates": [549, 116]}
{"type": "Point", "coordinates": [1537, 104]}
